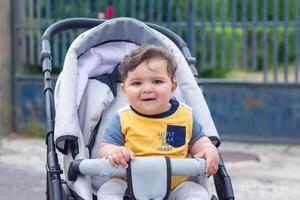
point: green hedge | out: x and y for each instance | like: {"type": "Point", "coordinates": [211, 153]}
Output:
{"type": "Point", "coordinates": [259, 56]}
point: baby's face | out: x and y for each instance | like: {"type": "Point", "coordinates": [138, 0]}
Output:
{"type": "Point", "coordinates": [149, 88]}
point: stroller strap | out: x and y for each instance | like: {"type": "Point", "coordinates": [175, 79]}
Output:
{"type": "Point", "coordinates": [148, 178]}
{"type": "Point", "coordinates": [111, 80]}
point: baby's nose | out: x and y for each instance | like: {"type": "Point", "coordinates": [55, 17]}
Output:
{"type": "Point", "coordinates": [147, 88]}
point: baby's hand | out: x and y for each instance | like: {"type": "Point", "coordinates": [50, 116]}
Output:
{"type": "Point", "coordinates": [120, 156]}
{"type": "Point", "coordinates": [211, 155]}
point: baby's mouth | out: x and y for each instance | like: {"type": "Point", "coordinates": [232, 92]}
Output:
{"type": "Point", "coordinates": [148, 99]}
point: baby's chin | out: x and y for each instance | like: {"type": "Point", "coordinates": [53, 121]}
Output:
{"type": "Point", "coordinates": [152, 110]}
{"type": "Point", "coordinates": [150, 107]}
{"type": "Point", "coordinates": [146, 110]}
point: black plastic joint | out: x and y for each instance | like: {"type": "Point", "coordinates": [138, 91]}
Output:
{"type": "Point", "coordinates": [49, 129]}
{"type": "Point", "coordinates": [46, 50]}
{"type": "Point", "coordinates": [45, 54]}
{"type": "Point", "coordinates": [74, 171]}
{"type": "Point", "coordinates": [46, 64]}
{"type": "Point", "coordinates": [53, 167]}
{"type": "Point", "coordinates": [191, 60]}
{"type": "Point", "coordinates": [47, 86]}
{"type": "Point", "coordinates": [55, 171]}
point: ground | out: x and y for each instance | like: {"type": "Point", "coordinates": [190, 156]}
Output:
{"type": "Point", "coordinates": [258, 171]}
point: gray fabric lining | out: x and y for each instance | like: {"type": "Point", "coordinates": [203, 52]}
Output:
{"type": "Point", "coordinates": [92, 105]}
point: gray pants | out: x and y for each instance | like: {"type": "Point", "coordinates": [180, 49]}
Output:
{"type": "Point", "coordinates": [115, 188]}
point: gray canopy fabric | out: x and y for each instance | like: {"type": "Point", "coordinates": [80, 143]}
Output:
{"type": "Point", "coordinates": [80, 101]}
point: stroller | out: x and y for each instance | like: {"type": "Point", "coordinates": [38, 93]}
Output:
{"type": "Point", "coordinates": [87, 93]}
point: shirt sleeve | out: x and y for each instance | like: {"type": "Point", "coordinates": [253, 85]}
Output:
{"type": "Point", "coordinates": [197, 131]}
{"type": "Point", "coordinates": [113, 133]}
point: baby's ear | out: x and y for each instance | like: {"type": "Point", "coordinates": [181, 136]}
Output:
{"type": "Point", "coordinates": [174, 85]}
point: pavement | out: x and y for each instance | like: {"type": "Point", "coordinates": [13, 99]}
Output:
{"type": "Point", "coordinates": [257, 171]}
{"type": "Point", "coordinates": [272, 174]}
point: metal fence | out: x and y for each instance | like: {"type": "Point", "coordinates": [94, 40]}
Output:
{"type": "Point", "coordinates": [259, 36]}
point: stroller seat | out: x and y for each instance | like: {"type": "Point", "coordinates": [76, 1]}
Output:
{"type": "Point", "coordinates": [87, 93]}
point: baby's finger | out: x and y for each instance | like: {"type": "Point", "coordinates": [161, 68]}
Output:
{"type": "Point", "coordinates": [212, 166]}
{"type": "Point", "coordinates": [199, 155]}
{"type": "Point", "coordinates": [111, 160]}
{"type": "Point", "coordinates": [116, 160]}
{"type": "Point", "coordinates": [126, 154]}
{"type": "Point", "coordinates": [216, 166]}
{"type": "Point", "coordinates": [131, 154]}
{"type": "Point", "coordinates": [122, 159]}
{"type": "Point", "coordinates": [208, 169]}
{"type": "Point", "coordinates": [215, 169]}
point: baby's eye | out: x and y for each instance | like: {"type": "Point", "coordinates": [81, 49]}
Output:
{"type": "Point", "coordinates": [136, 83]}
{"type": "Point", "coordinates": [157, 81]}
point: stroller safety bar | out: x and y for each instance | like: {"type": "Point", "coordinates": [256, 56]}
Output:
{"type": "Point", "coordinates": [102, 167]}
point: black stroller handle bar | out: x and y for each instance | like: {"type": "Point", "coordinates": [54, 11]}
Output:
{"type": "Point", "coordinates": [103, 167]}
{"type": "Point", "coordinates": [70, 23]}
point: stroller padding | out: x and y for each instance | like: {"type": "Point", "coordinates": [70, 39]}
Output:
{"type": "Point", "coordinates": [102, 166]}
{"type": "Point", "coordinates": [149, 178]}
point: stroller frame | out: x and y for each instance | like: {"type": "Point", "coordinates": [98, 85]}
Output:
{"type": "Point", "coordinates": [56, 188]}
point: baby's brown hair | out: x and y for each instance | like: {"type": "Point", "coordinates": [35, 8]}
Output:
{"type": "Point", "coordinates": [144, 53]}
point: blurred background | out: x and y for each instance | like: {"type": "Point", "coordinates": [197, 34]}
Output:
{"type": "Point", "coordinates": [247, 51]}
{"type": "Point", "coordinates": [247, 57]}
